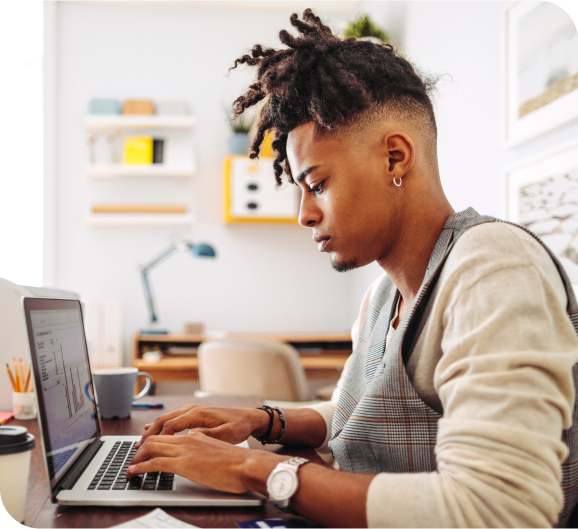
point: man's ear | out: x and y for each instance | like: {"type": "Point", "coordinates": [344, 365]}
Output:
{"type": "Point", "coordinates": [399, 151]}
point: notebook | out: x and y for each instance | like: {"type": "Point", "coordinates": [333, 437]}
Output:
{"type": "Point", "coordinates": [83, 466]}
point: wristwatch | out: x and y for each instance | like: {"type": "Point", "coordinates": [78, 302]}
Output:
{"type": "Point", "coordinates": [283, 482]}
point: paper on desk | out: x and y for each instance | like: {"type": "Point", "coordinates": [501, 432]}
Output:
{"type": "Point", "coordinates": [156, 519]}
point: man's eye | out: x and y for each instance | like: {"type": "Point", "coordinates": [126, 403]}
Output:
{"type": "Point", "coordinates": [317, 189]}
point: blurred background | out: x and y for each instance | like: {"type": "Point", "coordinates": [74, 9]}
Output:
{"type": "Point", "coordinates": [56, 158]}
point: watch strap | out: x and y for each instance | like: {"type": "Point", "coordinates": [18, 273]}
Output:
{"type": "Point", "coordinates": [294, 462]}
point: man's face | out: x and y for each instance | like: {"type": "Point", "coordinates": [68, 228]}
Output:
{"type": "Point", "coordinates": [346, 198]}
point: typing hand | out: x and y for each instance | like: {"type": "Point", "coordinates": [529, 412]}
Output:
{"type": "Point", "coordinates": [206, 461]}
{"type": "Point", "coordinates": [233, 425]}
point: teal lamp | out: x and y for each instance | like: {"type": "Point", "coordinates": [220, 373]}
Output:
{"type": "Point", "coordinates": [179, 246]}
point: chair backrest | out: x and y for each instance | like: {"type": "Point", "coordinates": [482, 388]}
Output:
{"type": "Point", "coordinates": [262, 368]}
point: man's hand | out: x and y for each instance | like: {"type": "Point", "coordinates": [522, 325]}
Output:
{"type": "Point", "coordinates": [334, 499]}
{"type": "Point", "coordinates": [233, 425]}
{"type": "Point", "coordinates": [204, 460]}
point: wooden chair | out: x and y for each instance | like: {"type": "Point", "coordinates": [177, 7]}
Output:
{"type": "Point", "coordinates": [263, 368]}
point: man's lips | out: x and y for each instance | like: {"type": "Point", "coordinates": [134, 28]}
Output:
{"type": "Point", "coordinates": [321, 241]}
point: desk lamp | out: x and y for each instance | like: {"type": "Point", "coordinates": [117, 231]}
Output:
{"type": "Point", "coordinates": [196, 250]}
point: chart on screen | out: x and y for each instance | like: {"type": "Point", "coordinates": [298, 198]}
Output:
{"type": "Point", "coordinates": [63, 370]}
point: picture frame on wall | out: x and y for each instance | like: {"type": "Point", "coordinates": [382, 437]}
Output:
{"type": "Point", "coordinates": [542, 195]}
{"type": "Point", "coordinates": [541, 70]}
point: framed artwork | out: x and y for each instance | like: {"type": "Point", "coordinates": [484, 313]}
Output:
{"type": "Point", "coordinates": [542, 196]}
{"type": "Point", "coordinates": [541, 89]}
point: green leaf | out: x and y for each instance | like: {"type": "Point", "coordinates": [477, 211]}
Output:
{"type": "Point", "coordinates": [363, 26]}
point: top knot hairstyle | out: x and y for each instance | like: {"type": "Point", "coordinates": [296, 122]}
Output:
{"type": "Point", "coordinates": [329, 81]}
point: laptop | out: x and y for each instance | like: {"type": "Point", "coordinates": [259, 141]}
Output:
{"type": "Point", "coordinates": [83, 466]}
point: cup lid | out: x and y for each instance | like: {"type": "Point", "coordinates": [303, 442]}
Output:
{"type": "Point", "coordinates": [15, 439]}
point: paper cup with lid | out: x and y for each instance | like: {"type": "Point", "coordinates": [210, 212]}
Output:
{"type": "Point", "coordinates": [16, 445]}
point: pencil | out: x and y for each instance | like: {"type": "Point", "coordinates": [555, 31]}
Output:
{"type": "Point", "coordinates": [12, 381]}
{"type": "Point", "coordinates": [30, 387]}
{"type": "Point", "coordinates": [26, 381]}
{"type": "Point", "coordinates": [22, 371]}
{"type": "Point", "coordinates": [16, 375]}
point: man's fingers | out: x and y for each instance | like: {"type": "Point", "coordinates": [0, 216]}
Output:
{"type": "Point", "coordinates": [223, 433]}
{"type": "Point", "coordinates": [166, 439]}
{"type": "Point", "coordinates": [156, 449]}
{"type": "Point", "coordinates": [180, 423]}
{"type": "Point", "coordinates": [146, 427]}
{"type": "Point", "coordinates": [157, 426]}
{"type": "Point", "coordinates": [158, 464]}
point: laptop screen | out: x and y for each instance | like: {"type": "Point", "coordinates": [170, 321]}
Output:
{"type": "Point", "coordinates": [62, 380]}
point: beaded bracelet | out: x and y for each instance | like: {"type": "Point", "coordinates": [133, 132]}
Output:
{"type": "Point", "coordinates": [264, 439]}
{"type": "Point", "coordinates": [283, 427]}
{"type": "Point", "coordinates": [271, 414]}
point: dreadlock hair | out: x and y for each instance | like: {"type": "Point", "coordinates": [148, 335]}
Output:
{"type": "Point", "coordinates": [338, 84]}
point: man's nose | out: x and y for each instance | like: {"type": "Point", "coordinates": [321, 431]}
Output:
{"type": "Point", "coordinates": [309, 214]}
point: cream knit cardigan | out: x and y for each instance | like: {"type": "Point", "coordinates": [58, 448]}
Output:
{"type": "Point", "coordinates": [496, 356]}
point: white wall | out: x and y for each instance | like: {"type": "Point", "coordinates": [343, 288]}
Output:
{"type": "Point", "coordinates": [21, 142]}
{"type": "Point", "coordinates": [266, 278]}
{"type": "Point", "coordinates": [183, 52]}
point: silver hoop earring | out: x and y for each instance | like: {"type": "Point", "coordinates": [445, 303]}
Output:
{"type": "Point", "coordinates": [396, 182]}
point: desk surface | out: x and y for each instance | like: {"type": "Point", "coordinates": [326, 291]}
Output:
{"type": "Point", "coordinates": [40, 512]}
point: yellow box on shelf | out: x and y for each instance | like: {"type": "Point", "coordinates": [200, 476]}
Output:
{"type": "Point", "coordinates": [138, 150]}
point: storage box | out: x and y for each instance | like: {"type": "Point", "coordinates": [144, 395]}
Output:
{"type": "Point", "coordinates": [173, 108]}
{"type": "Point", "coordinates": [104, 106]}
{"type": "Point", "coordinates": [138, 106]}
{"type": "Point", "coordinates": [138, 150]}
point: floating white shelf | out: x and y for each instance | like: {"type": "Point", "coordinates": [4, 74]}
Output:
{"type": "Point", "coordinates": [138, 122]}
{"type": "Point", "coordinates": [106, 171]}
{"type": "Point", "coordinates": [106, 220]}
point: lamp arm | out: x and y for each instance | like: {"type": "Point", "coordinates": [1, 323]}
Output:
{"type": "Point", "coordinates": [148, 296]}
{"type": "Point", "coordinates": [176, 246]}
{"type": "Point", "coordinates": [144, 271]}
{"type": "Point", "coordinates": [155, 261]}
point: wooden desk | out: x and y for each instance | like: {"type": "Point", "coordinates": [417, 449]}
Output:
{"type": "Point", "coordinates": [41, 512]}
{"type": "Point", "coordinates": [323, 355]}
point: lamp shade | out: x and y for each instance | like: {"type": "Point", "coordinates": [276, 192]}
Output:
{"type": "Point", "coordinates": [203, 250]}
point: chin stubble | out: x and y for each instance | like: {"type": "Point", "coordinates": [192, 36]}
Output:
{"type": "Point", "coordinates": [344, 267]}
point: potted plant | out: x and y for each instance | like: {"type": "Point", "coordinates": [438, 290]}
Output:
{"type": "Point", "coordinates": [364, 28]}
{"type": "Point", "coordinates": [240, 127]}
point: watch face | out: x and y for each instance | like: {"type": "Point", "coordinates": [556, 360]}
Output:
{"type": "Point", "coordinates": [282, 485]}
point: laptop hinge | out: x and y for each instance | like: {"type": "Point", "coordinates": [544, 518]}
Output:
{"type": "Point", "coordinates": [78, 468]}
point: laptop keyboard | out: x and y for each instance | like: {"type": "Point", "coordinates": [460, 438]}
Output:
{"type": "Point", "coordinates": [112, 473]}
{"type": "Point", "coordinates": [57, 461]}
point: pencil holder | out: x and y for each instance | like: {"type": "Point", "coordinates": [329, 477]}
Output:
{"type": "Point", "coordinates": [24, 405]}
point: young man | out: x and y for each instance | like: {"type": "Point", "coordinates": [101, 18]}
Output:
{"type": "Point", "coordinates": [455, 406]}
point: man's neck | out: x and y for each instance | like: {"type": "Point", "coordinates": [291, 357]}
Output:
{"type": "Point", "coordinates": [407, 262]}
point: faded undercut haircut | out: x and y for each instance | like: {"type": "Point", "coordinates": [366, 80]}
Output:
{"type": "Point", "coordinates": [339, 85]}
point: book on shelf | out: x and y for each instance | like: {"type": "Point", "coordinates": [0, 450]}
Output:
{"type": "Point", "coordinates": [158, 150]}
{"type": "Point", "coordinates": [138, 208]}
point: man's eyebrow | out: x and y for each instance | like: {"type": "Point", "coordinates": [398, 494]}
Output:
{"type": "Point", "coordinates": [303, 174]}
